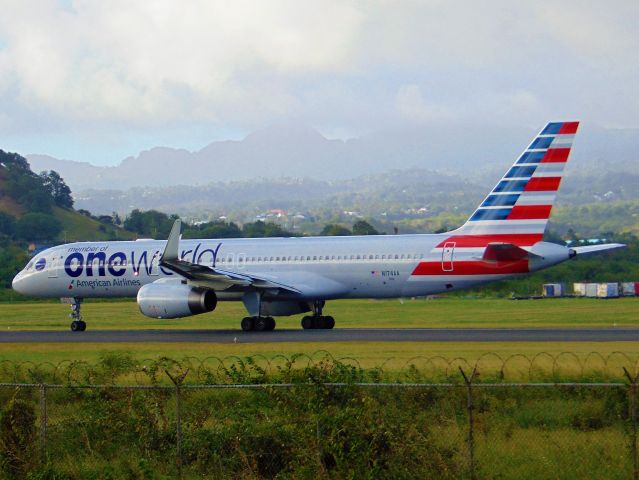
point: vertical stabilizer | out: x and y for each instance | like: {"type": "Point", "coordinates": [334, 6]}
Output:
{"type": "Point", "coordinates": [518, 208]}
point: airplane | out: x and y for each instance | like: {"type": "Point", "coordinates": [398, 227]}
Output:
{"type": "Point", "coordinates": [175, 278]}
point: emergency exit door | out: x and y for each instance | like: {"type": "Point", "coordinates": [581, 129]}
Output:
{"type": "Point", "coordinates": [447, 256]}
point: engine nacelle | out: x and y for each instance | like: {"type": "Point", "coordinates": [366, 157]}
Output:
{"type": "Point", "coordinates": [170, 300]}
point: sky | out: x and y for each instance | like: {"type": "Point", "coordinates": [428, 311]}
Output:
{"type": "Point", "coordinates": [98, 81]}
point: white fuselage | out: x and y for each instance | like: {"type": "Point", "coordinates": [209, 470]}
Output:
{"type": "Point", "coordinates": [320, 267]}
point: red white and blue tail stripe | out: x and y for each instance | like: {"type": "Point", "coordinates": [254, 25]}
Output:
{"type": "Point", "coordinates": [518, 208]}
{"type": "Point", "coordinates": [497, 239]}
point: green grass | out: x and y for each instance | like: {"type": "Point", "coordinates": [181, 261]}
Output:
{"type": "Point", "coordinates": [438, 313]}
{"type": "Point", "coordinates": [315, 431]}
{"type": "Point", "coordinates": [444, 312]}
{"type": "Point", "coordinates": [410, 361]}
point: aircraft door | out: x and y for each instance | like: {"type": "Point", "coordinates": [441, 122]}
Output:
{"type": "Point", "coordinates": [447, 256]}
{"type": "Point", "coordinates": [53, 262]}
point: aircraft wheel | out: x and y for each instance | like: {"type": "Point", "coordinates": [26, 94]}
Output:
{"type": "Point", "coordinates": [307, 323]}
{"type": "Point", "coordinates": [329, 322]}
{"type": "Point", "coordinates": [261, 324]}
{"type": "Point", "coordinates": [76, 326]}
{"type": "Point", "coordinates": [270, 324]}
{"type": "Point", "coordinates": [247, 324]}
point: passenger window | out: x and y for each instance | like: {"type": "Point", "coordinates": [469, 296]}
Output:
{"type": "Point", "coordinates": [370, 257]}
{"type": "Point", "coordinates": [396, 257]}
{"type": "Point", "coordinates": [314, 257]}
{"type": "Point", "coordinates": [383, 257]}
{"type": "Point", "coordinates": [320, 257]}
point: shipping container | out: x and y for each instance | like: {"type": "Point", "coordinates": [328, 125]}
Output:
{"type": "Point", "coordinates": [628, 289]}
{"type": "Point", "coordinates": [591, 290]}
{"type": "Point", "coordinates": [608, 290]}
{"type": "Point", "coordinates": [579, 289]}
{"type": "Point", "coordinates": [553, 290]}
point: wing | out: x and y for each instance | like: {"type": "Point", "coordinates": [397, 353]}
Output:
{"type": "Point", "coordinates": [211, 277]}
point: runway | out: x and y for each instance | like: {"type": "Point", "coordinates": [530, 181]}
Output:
{"type": "Point", "coordinates": [336, 335]}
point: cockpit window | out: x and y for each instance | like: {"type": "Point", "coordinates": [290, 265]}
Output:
{"type": "Point", "coordinates": [29, 265]}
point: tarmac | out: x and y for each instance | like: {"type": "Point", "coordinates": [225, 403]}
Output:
{"type": "Point", "coordinates": [335, 335]}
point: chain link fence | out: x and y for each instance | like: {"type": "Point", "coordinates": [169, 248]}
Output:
{"type": "Point", "coordinates": [330, 419]}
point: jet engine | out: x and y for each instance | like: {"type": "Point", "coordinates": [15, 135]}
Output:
{"type": "Point", "coordinates": [170, 300]}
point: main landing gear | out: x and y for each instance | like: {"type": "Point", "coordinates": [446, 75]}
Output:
{"type": "Point", "coordinates": [77, 325]}
{"type": "Point", "coordinates": [259, 324]}
{"type": "Point", "coordinates": [317, 320]}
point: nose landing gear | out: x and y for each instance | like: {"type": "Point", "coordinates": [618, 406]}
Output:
{"type": "Point", "coordinates": [77, 324]}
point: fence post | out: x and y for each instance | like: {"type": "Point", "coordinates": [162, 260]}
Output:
{"type": "Point", "coordinates": [177, 381]}
{"type": "Point", "coordinates": [43, 422]}
{"type": "Point", "coordinates": [633, 417]}
{"type": "Point", "coordinates": [471, 419]}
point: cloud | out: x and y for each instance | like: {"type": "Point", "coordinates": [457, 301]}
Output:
{"type": "Point", "coordinates": [79, 66]}
{"type": "Point", "coordinates": [412, 106]}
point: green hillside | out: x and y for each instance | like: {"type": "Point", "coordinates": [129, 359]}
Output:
{"type": "Point", "coordinates": [78, 227]}
{"type": "Point", "coordinates": [37, 209]}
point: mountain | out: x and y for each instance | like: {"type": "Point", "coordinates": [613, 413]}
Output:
{"type": "Point", "coordinates": [297, 151]}
{"type": "Point", "coordinates": [370, 195]}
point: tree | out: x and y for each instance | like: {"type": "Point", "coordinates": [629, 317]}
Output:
{"type": "Point", "coordinates": [14, 161]}
{"type": "Point", "coordinates": [12, 260]}
{"type": "Point", "coordinates": [362, 227]}
{"type": "Point", "coordinates": [151, 223]}
{"type": "Point", "coordinates": [37, 227]}
{"type": "Point", "coordinates": [59, 191]}
{"type": "Point", "coordinates": [218, 229]}
{"type": "Point", "coordinates": [27, 188]}
{"type": "Point", "coordinates": [261, 229]}
{"type": "Point", "coordinates": [334, 230]}
{"type": "Point", "coordinates": [7, 225]}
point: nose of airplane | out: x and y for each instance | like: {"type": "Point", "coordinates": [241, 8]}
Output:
{"type": "Point", "coordinates": [19, 284]}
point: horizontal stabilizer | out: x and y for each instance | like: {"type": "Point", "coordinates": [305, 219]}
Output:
{"type": "Point", "coordinates": [596, 248]}
{"type": "Point", "coordinates": [505, 252]}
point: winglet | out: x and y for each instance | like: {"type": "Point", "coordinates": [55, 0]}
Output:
{"type": "Point", "coordinates": [171, 248]}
